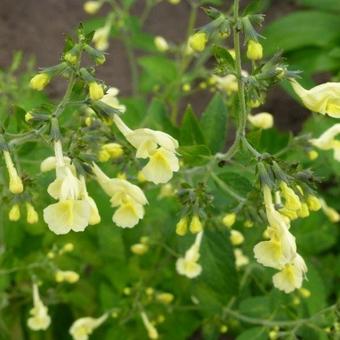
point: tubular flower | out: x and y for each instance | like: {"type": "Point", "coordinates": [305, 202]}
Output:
{"type": "Point", "coordinates": [39, 319]}
{"type": "Point", "coordinates": [110, 99]}
{"type": "Point", "coordinates": [32, 215]}
{"type": "Point", "coordinates": [101, 38]}
{"type": "Point", "coordinates": [280, 251]}
{"type": "Point", "coordinates": [129, 198]}
{"type": "Point", "coordinates": [327, 140]}
{"type": "Point", "coordinates": [40, 81]}
{"type": "Point", "coordinates": [263, 120]}
{"type": "Point", "coordinates": [331, 213]}
{"type": "Point", "coordinates": [188, 265]}
{"type": "Point", "coordinates": [66, 276]}
{"type": "Point", "coordinates": [324, 98]}
{"type": "Point", "coordinates": [82, 328]}
{"type": "Point", "coordinates": [182, 226]}
{"type": "Point", "coordinates": [196, 225]}
{"type": "Point", "coordinates": [150, 328]}
{"type": "Point", "coordinates": [291, 275]}
{"type": "Point", "coordinates": [158, 147]}
{"type": "Point", "coordinates": [71, 212]}
{"type": "Point", "coordinates": [15, 182]}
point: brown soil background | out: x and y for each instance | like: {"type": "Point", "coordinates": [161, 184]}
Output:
{"type": "Point", "coordinates": [39, 27]}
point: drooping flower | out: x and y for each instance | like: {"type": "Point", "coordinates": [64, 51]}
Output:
{"type": "Point", "coordinates": [71, 212]}
{"type": "Point", "coordinates": [32, 215]}
{"type": "Point", "coordinates": [196, 225]}
{"type": "Point", "coordinates": [40, 81]}
{"type": "Point", "coordinates": [82, 328]}
{"type": "Point", "coordinates": [150, 328]}
{"type": "Point", "coordinates": [254, 50]}
{"type": "Point", "coordinates": [101, 37]}
{"type": "Point", "coordinates": [291, 275]}
{"type": "Point", "coordinates": [129, 198]}
{"type": "Point", "coordinates": [324, 98]}
{"type": "Point", "coordinates": [328, 141]}
{"type": "Point", "coordinates": [331, 213]}
{"type": "Point", "coordinates": [158, 147]}
{"type": "Point", "coordinates": [14, 213]}
{"type": "Point", "coordinates": [39, 319]}
{"type": "Point", "coordinates": [188, 265]}
{"type": "Point", "coordinates": [96, 91]}
{"type": "Point", "coordinates": [198, 41]}
{"type": "Point", "coordinates": [263, 120]}
{"type": "Point", "coordinates": [15, 182]}
{"type": "Point", "coordinates": [182, 226]}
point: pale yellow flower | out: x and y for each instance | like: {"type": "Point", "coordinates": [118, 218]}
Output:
{"type": "Point", "coordinates": [227, 84]}
{"type": "Point", "coordinates": [324, 98]}
{"type": "Point", "coordinates": [82, 328]}
{"type": "Point", "coordinates": [263, 120]}
{"type": "Point", "coordinates": [50, 163]}
{"type": "Point", "coordinates": [328, 141]}
{"type": "Point", "coordinates": [39, 319]}
{"type": "Point", "coordinates": [96, 91]}
{"type": "Point", "coordinates": [92, 7]}
{"type": "Point", "coordinates": [110, 99]}
{"type": "Point", "coordinates": [94, 213]}
{"type": "Point", "coordinates": [331, 213]}
{"type": "Point", "coordinates": [101, 38]}
{"type": "Point", "coordinates": [198, 41]}
{"type": "Point", "coordinates": [158, 147]}
{"type": "Point", "coordinates": [291, 276]}
{"type": "Point", "coordinates": [150, 328]}
{"type": "Point", "coordinates": [292, 200]}
{"type": "Point", "coordinates": [129, 198]}
{"type": "Point", "coordinates": [188, 265]}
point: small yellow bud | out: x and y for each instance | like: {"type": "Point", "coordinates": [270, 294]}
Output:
{"type": "Point", "coordinates": [263, 120]}
{"type": "Point", "coordinates": [186, 87]}
{"type": "Point", "coordinates": [14, 213]}
{"type": "Point", "coordinates": [127, 291]}
{"type": "Point", "coordinates": [39, 81]}
{"type": "Point", "coordinates": [92, 7]}
{"type": "Point", "coordinates": [51, 255]}
{"type": "Point", "coordinates": [100, 60]}
{"type": "Point", "coordinates": [115, 150]}
{"type": "Point", "coordinates": [195, 225]}
{"type": "Point", "coordinates": [32, 215]}
{"type": "Point", "coordinates": [248, 224]}
{"type": "Point", "coordinates": [292, 200]}
{"type": "Point", "coordinates": [114, 314]}
{"type": "Point", "coordinates": [161, 44]}
{"type": "Point", "coordinates": [139, 248]}
{"type": "Point", "coordinates": [165, 298]}
{"type": "Point", "coordinates": [103, 156]}
{"type": "Point", "coordinates": [28, 116]}
{"type": "Point", "coordinates": [313, 155]}
{"type": "Point", "coordinates": [182, 226]}
{"type": "Point", "coordinates": [254, 103]}
{"type": "Point", "coordinates": [198, 41]}
{"type": "Point", "coordinates": [174, 2]}
{"type": "Point", "coordinates": [296, 301]}
{"type": "Point", "coordinates": [149, 291]}
{"type": "Point", "coordinates": [68, 247]}
{"type": "Point", "coordinates": [305, 293]}
{"type": "Point", "coordinates": [167, 190]}
{"type": "Point", "coordinates": [314, 203]}
{"type": "Point", "coordinates": [254, 50]}
{"type": "Point", "coordinates": [96, 91]}
{"type": "Point", "coordinates": [68, 276]}
{"type": "Point", "coordinates": [144, 239]}
{"type": "Point", "coordinates": [229, 220]}
{"type": "Point", "coordinates": [223, 329]}
{"type": "Point", "coordinates": [203, 85]}
{"type": "Point", "coordinates": [236, 238]}
{"type": "Point", "coordinates": [89, 121]}
{"type": "Point", "coordinates": [15, 185]}
{"type": "Point", "coordinates": [140, 177]}
{"type": "Point", "coordinates": [160, 318]}
{"type": "Point", "coordinates": [273, 335]}
{"type": "Point", "coordinates": [71, 58]}
{"type": "Point", "coordinates": [291, 214]}
{"type": "Point", "coordinates": [304, 211]}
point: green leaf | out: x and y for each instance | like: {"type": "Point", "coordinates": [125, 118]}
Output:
{"type": "Point", "coordinates": [190, 132]}
{"type": "Point", "coordinates": [257, 306]}
{"type": "Point", "coordinates": [301, 29]}
{"type": "Point", "coordinates": [223, 57]}
{"type": "Point", "coordinates": [255, 333]}
{"type": "Point", "coordinates": [328, 5]}
{"type": "Point", "coordinates": [214, 123]}
{"type": "Point", "coordinates": [195, 154]}
{"type": "Point", "coordinates": [218, 268]}
{"type": "Point", "coordinates": [240, 184]}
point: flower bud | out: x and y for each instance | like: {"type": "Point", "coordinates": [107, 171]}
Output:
{"type": "Point", "coordinates": [182, 226]}
{"type": "Point", "coordinates": [28, 116]}
{"type": "Point", "coordinates": [103, 156]}
{"type": "Point", "coordinates": [248, 224]}
{"type": "Point", "coordinates": [223, 329]}
{"type": "Point", "coordinates": [186, 87]}
{"type": "Point", "coordinates": [32, 215]}
{"type": "Point", "coordinates": [229, 220]}
{"type": "Point", "coordinates": [68, 247]}
{"type": "Point", "coordinates": [236, 238]}
{"type": "Point", "coordinates": [68, 276]}
{"type": "Point", "coordinates": [14, 213]}
{"type": "Point", "coordinates": [263, 120]}
{"type": "Point", "coordinates": [139, 248]}
{"type": "Point", "coordinates": [313, 203]}
{"type": "Point", "coordinates": [305, 293]}
{"type": "Point", "coordinates": [115, 150]}
{"type": "Point", "coordinates": [174, 2]}
{"type": "Point", "coordinates": [92, 7]}
{"type": "Point", "coordinates": [39, 81]}
{"type": "Point", "coordinates": [15, 183]}
{"type": "Point", "coordinates": [313, 155]}
{"type": "Point", "coordinates": [161, 44]}
{"type": "Point", "coordinates": [165, 298]}
{"type": "Point", "coordinates": [198, 41]}
{"type": "Point", "coordinates": [96, 91]}
{"type": "Point", "coordinates": [195, 225]}
{"type": "Point", "coordinates": [254, 50]}
{"type": "Point", "coordinates": [304, 211]}
{"type": "Point", "coordinates": [71, 58]}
